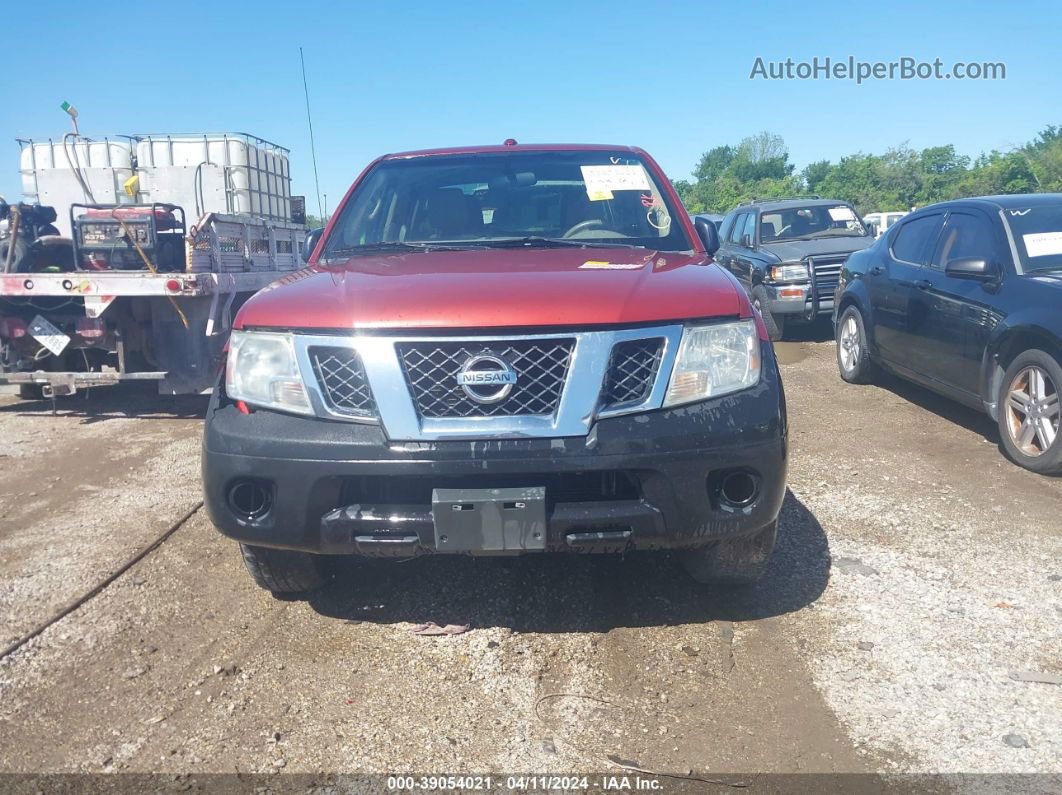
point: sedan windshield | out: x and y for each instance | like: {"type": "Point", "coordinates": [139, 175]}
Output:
{"type": "Point", "coordinates": [507, 199]}
{"type": "Point", "coordinates": [805, 223]}
{"type": "Point", "coordinates": [1037, 233]}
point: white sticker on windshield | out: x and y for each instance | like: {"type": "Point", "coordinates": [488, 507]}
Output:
{"type": "Point", "coordinates": [600, 179]}
{"type": "Point", "coordinates": [1043, 244]}
{"type": "Point", "coordinates": [841, 214]}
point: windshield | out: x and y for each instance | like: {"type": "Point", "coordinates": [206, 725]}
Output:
{"type": "Point", "coordinates": [1037, 233]}
{"type": "Point", "coordinates": [577, 198]}
{"type": "Point", "coordinates": [804, 223]}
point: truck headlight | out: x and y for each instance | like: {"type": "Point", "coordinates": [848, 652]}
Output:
{"type": "Point", "coordinates": [789, 272]}
{"type": "Point", "coordinates": [262, 370]}
{"type": "Point", "coordinates": [714, 360]}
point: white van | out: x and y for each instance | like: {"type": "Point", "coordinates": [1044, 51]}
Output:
{"type": "Point", "coordinates": [880, 222]}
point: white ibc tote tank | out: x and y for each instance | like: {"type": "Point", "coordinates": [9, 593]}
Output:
{"type": "Point", "coordinates": [47, 176]}
{"type": "Point", "coordinates": [220, 172]}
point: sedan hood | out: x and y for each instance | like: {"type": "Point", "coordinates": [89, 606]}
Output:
{"type": "Point", "coordinates": [798, 249]}
{"type": "Point", "coordinates": [497, 288]}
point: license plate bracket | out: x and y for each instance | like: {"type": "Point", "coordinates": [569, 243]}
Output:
{"type": "Point", "coordinates": [489, 520]}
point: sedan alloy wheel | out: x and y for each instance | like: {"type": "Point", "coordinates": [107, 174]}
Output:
{"type": "Point", "coordinates": [1032, 411]}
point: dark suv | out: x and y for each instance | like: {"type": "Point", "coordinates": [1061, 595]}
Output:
{"type": "Point", "coordinates": [965, 297]}
{"type": "Point", "coordinates": [787, 253]}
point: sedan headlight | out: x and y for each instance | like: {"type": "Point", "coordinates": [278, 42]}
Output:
{"type": "Point", "coordinates": [262, 370]}
{"type": "Point", "coordinates": [714, 360]}
{"type": "Point", "coordinates": [789, 272]}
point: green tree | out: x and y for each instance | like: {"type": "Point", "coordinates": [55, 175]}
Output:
{"type": "Point", "coordinates": [898, 179]}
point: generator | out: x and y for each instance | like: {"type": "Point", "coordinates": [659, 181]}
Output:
{"type": "Point", "coordinates": [128, 237]}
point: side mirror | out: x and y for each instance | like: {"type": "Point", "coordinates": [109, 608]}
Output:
{"type": "Point", "coordinates": [746, 241]}
{"type": "Point", "coordinates": [970, 268]}
{"type": "Point", "coordinates": [708, 234]}
{"type": "Point", "coordinates": [312, 238]}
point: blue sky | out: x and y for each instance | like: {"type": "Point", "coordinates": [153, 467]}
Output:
{"type": "Point", "coordinates": [672, 77]}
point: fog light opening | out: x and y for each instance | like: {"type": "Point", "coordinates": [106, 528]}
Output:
{"type": "Point", "coordinates": [249, 499]}
{"type": "Point", "coordinates": [740, 489]}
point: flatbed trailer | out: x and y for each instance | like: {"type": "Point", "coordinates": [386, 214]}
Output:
{"type": "Point", "coordinates": [60, 332]}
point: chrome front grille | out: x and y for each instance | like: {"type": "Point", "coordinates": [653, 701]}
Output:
{"type": "Point", "coordinates": [631, 372]}
{"type": "Point", "coordinates": [341, 376]}
{"type": "Point", "coordinates": [555, 385]}
{"type": "Point", "coordinates": [431, 369]}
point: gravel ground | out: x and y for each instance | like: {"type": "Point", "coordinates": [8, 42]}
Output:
{"type": "Point", "coordinates": [946, 576]}
{"type": "Point", "coordinates": [917, 575]}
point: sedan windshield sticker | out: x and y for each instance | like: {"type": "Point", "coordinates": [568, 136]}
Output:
{"type": "Point", "coordinates": [1043, 244]}
{"type": "Point", "coordinates": [841, 214]}
{"type": "Point", "coordinates": [605, 179]}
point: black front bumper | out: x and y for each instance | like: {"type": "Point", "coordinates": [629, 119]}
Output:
{"type": "Point", "coordinates": [641, 481]}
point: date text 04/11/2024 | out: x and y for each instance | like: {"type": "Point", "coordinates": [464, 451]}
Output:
{"type": "Point", "coordinates": [524, 783]}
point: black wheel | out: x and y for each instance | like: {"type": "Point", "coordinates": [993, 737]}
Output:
{"type": "Point", "coordinates": [1029, 412]}
{"type": "Point", "coordinates": [853, 356]}
{"type": "Point", "coordinates": [31, 391]}
{"type": "Point", "coordinates": [17, 258]}
{"type": "Point", "coordinates": [775, 323]}
{"type": "Point", "coordinates": [739, 562]}
{"type": "Point", "coordinates": [283, 570]}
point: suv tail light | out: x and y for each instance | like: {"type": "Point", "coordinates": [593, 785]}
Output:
{"type": "Point", "coordinates": [12, 328]}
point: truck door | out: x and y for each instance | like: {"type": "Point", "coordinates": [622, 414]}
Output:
{"type": "Point", "coordinates": [743, 253]}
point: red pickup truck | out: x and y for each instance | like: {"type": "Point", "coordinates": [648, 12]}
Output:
{"type": "Point", "coordinates": [501, 350]}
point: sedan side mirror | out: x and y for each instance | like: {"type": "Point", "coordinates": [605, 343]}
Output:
{"type": "Point", "coordinates": [970, 268]}
{"type": "Point", "coordinates": [312, 238]}
{"type": "Point", "coordinates": [708, 234]}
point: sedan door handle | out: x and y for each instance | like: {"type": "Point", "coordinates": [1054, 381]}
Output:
{"type": "Point", "coordinates": [877, 270]}
{"type": "Point", "coordinates": [923, 284]}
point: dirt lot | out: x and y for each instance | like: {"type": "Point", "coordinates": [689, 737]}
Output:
{"type": "Point", "coordinates": [917, 586]}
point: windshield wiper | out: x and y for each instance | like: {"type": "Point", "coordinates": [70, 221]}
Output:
{"type": "Point", "coordinates": [392, 245]}
{"type": "Point", "coordinates": [549, 242]}
{"type": "Point", "coordinates": [835, 233]}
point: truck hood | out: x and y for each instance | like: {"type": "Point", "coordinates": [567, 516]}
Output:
{"type": "Point", "coordinates": [798, 249]}
{"type": "Point", "coordinates": [497, 288]}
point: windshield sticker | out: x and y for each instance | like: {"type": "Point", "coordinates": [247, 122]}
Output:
{"type": "Point", "coordinates": [841, 214]}
{"type": "Point", "coordinates": [599, 195]}
{"type": "Point", "coordinates": [610, 178]}
{"type": "Point", "coordinates": [597, 265]}
{"type": "Point", "coordinates": [1043, 244]}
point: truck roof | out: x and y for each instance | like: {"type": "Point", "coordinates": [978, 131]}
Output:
{"type": "Point", "coordinates": [486, 148]}
{"type": "Point", "coordinates": [781, 204]}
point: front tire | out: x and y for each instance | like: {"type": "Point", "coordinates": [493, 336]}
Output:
{"type": "Point", "coordinates": [1029, 412]}
{"type": "Point", "coordinates": [734, 563]}
{"type": "Point", "coordinates": [853, 355]}
{"type": "Point", "coordinates": [775, 323]}
{"type": "Point", "coordinates": [283, 571]}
